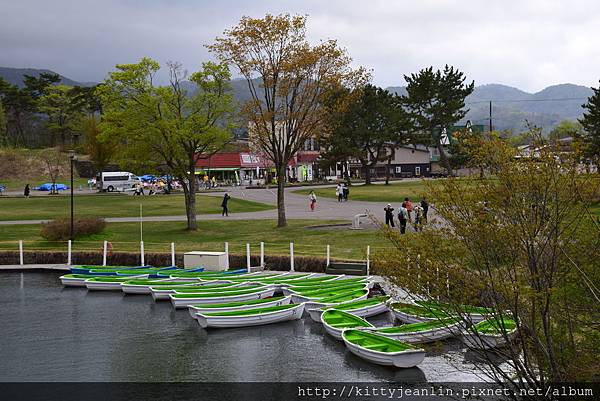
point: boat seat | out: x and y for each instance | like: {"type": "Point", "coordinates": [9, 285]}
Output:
{"type": "Point", "coordinates": [342, 324]}
{"type": "Point", "coordinates": [376, 347]}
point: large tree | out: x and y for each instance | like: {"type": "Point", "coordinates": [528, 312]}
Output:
{"type": "Point", "coordinates": [286, 77]}
{"type": "Point", "coordinates": [367, 126]}
{"type": "Point", "coordinates": [168, 124]}
{"type": "Point", "coordinates": [63, 109]}
{"type": "Point", "coordinates": [436, 101]}
{"type": "Point", "coordinates": [591, 124]}
{"type": "Point", "coordinates": [3, 138]}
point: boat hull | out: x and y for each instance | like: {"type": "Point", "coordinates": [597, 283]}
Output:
{"type": "Point", "coordinates": [73, 282]}
{"type": "Point", "coordinates": [408, 318]}
{"type": "Point", "coordinates": [425, 336]}
{"type": "Point", "coordinates": [194, 310]}
{"type": "Point", "coordinates": [294, 313]}
{"type": "Point", "coordinates": [404, 359]}
{"type": "Point", "coordinates": [487, 341]}
{"type": "Point", "coordinates": [186, 302]}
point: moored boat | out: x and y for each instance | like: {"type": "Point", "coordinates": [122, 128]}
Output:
{"type": "Point", "coordinates": [251, 317]}
{"type": "Point", "coordinates": [143, 287]}
{"type": "Point", "coordinates": [112, 283]}
{"type": "Point", "coordinates": [382, 350]}
{"type": "Point", "coordinates": [412, 313]}
{"type": "Point", "coordinates": [323, 296]}
{"type": "Point", "coordinates": [361, 308]}
{"type": "Point", "coordinates": [75, 280]}
{"type": "Point", "coordinates": [491, 333]}
{"type": "Point", "coordinates": [473, 314]}
{"type": "Point", "coordinates": [421, 332]}
{"type": "Point", "coordinates": [184, 300]}
{"type": "Point", "coordinates": [161, 293]}
{"type": "Point", "coordinates": [240, 305]}
{"type": "Point", "coordinates": [335, 321]}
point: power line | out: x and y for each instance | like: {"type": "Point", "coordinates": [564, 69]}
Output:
{"type": "Point", "coordinates": [528, 100]}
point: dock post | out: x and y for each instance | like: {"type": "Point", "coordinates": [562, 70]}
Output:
{"type": "Point", "coordinates": [21, 252]}
{"type": "Point", "coordinates": [104, 252]}
{"type": "Point", "coordinates": [248, 257]}
{"type": "Point", "coordinates": [69, 254]}
{"type": "Point", "coordinates": [227, 255]}
{"type": "Point", "coordinates": [262, 254]}
{"type": "Point", "coordinates": [292, 256]}
{"type": "Point", "coordinates": [328, 253]}
{"type": "Point", "coordinates": [368, 259]}
{"type": "Point", "coordinates": [172, 254]}
{"type": "Point", "coordinates": [142, 253]}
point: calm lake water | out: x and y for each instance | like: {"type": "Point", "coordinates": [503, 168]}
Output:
{"type": "Point", "coordinates": [51, 333]}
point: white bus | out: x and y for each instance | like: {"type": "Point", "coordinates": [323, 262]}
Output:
{"type": "Point", "coordinates": [117, 181]}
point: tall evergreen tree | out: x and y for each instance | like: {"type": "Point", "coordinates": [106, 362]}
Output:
{"type": "Point", "coordinates": [436, 101]}
{"type": "Point", "coordinates": [367, 127]}
{"type": "Point", "coordinates": [591, 124]}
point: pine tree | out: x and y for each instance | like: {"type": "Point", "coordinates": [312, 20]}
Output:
{"type": "Point", "coordinates": [591, 124]}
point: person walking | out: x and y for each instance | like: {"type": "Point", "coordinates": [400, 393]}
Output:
{"type": "Point", "coordinates": [402, 218]}
{"type": "Point", "coordinates": [26, 191]}
{"type": "Point", "coordinates": [425, 206]}
{"type": "Point", "coordinates": [339, 192]}
{"type": "Point", "coordinates": [345, 192]}
{"type": "Point", "coordinates": [389, 215]}
{"type": "Point", "coordinates": [409, 208]}
{"type": "Point", "coordinates": [418, 224]}
{"type": "Point", "coordinates": [226, 198]}
{"type": "Point", "coordinates": [312, 199]}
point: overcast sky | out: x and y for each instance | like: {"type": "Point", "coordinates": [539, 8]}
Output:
{"type": "Point", "coordinates": [529, 44]}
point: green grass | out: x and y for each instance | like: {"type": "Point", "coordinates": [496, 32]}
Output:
{"type": "Point", "coordinates": [109, 205]}
{"type": "Point", "coordinates": [395, 192]}
{"type": "Point", "coordinates": [211, 235]}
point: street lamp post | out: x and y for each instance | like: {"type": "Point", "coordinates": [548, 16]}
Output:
{"type": "Point", "coordinates": [71, 158]}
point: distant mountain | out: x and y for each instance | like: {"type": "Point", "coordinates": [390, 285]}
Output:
{"type": "Point", "coordinates": [513, 108]}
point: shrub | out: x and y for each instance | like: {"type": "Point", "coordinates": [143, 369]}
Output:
{"type": "Point", "coordinates": [56, 230]}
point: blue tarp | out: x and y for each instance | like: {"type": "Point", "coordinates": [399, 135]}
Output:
{"type": "Point", "coordinates": [48, 187]}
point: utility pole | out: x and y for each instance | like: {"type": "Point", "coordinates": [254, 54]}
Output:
{"type": "Point", "coordinates": [491, 116]}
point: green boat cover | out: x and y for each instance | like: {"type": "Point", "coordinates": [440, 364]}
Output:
{"type": "Point", "coordinates": [494, 326]}
{"type": "Point", "coordinates": [212, 288]}
{"type": "Point", "coordinates": [342, 320]}
{"type": "Point", "coordinates": [326, 290]}
{"type": "Point", "coordinates": [215, 294]}
{"type": "Point", "coordinates": [416, 327]}
{"type": "Point", "coordinates": [307, 282]}
{"type": "Point", "coordinates": [463, 308]}
{"type": "Point", "coordinates": [344, 296]}
{"type": "Point", "coordinates": [240, 303]}
{"type": "Point", "coordinates": [300, 286]}
{"type": "Point", "coordinates": [360, 304]}
{"type": "Point", "coordinates": [178, 287]}
{"type": "Point", "coordinates": [257, 311]}
{"type": "Point", "coordinates": [375, 342]}
{"type": "Point", "coordinates": [417, 310]}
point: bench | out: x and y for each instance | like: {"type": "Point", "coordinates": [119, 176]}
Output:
{"type": "Point", "coordinates": [354, 269]}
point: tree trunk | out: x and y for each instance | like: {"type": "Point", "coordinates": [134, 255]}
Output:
{"type": "Point", "coordinates": [367, 169]}
{"type": "Point", "coordinates": [189, 191]}
{"type": "Point", "coordinates": [444, 158]}
{"type": "Point", "coordinates": [387, 171]}
{"type": "Point", "coordinates": [281, 220]}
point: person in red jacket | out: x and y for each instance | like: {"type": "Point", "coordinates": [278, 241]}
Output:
{"type": "Point", "coordinates": [409, 208]}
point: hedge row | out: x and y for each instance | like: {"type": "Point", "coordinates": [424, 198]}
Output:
{"type": "Point", "coordinates": [281, 263]}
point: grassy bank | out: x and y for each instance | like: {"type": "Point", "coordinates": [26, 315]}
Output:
{"type": "Point", "coordinates": [395, 192]}
{"type": "Point", "coordinates": [211, 236]}
{"type": "Point", "coordinates": [109, 205]}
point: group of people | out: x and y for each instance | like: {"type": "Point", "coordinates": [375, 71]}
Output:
{"type": "Point", "coordinates": [408, 214]}
{"type": "Point", "coordinates": [341, 192]}
{"type": "Point", "coordinates": [209, 183]}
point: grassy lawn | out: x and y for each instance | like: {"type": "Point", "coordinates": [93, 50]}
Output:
{"type": "Point", "coordinates": [394, 192]}
{"type": "Point", "coordinates": [108, 205]}
{"type": "Point", "coordinates": [345, 243]}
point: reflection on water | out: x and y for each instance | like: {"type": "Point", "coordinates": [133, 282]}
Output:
{"type": "Point", "coordinates": [50, 333]}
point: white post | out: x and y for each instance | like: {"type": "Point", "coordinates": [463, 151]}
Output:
{"type": "Point", "coordinates": [248, 257]}
{"type": "Point", "coordinates": [21, 252]}
{"type": "Point", "coordinates": [368, 258]}
{"type": "Point", "coordinates": [69, 254]}
{"type": "Point", "coordinates": [172, 254]}
{"type": "Point", "coordinates": [292, 256]}
{"type": "Point", "coordinates": [142, 253]}
{"type": "Point", "coordinates": [104, 251]}
{"type": "Point", "coordinates": [262, 254]}
{"type": "Point", "coordinates": [328, 252]}
{"type": "Point", "coordinates": [227, 255]}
